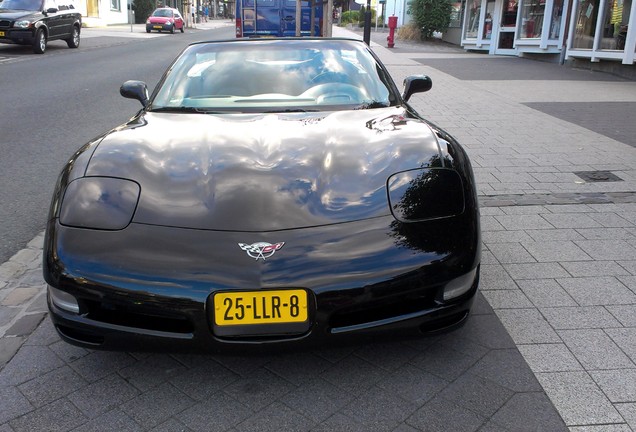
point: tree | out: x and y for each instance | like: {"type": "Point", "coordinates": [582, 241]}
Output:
{"type": "Point", "coordinates": [143, 9]}
{"type": "Point", "coordinates": [431, 15]}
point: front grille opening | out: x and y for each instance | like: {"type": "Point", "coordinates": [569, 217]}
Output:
{"type": "Point", "coordinates": [446, 323]}
{"type": "Point", "coordinates": [383, 310]}
{"type": "Point", "coordinates": [123, 315]}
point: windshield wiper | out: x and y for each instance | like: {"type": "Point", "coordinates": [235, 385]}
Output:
{"type": "Point", "coordinates": [290, 110]}
{"type": "Point", "coordinates": [184, 109]}
{"type": "Point", "coordinates": [372, 104]}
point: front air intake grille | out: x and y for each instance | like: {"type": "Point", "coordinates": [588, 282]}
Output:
{"type": "Point", "coordinates": [5, 24]}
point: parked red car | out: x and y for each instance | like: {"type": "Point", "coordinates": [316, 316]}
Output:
{"type": "Point", "coordinates": [166, 19]}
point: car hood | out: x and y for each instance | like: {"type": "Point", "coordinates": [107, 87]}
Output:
{"type": "Point", "coordinates": [263, 172]}
{"type": "Point", "coordinates": [159, 20]}
{"type": "Point", "coordinates": [11, 14]}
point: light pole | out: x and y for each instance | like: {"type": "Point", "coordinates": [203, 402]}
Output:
{"type": "Point", "coordinates": [367, 24]}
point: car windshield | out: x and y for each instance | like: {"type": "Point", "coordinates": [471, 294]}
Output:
{"type": "Point", "coordinates": [31, 5]}
{"type": "Point", "coordinates": [162, 13]}
{"type": "Point", "coordinates": [275, 76]}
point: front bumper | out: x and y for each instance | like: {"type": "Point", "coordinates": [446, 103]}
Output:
{"type": "Point", "coordinates": [16, 36]}
{"type": "Point", "coordinates": [160, 27]}
{"type": "Point", "coordinates": [362, 278]}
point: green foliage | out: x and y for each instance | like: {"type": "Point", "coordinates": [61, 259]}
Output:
{"type": "Point", "coordinates": [431, 15]}
{"type": "Point", "coordinates": [362, 12]}
{"type": "Point", "coordinates": [143, 9]}
{"type": "Point", "coordinates": [350, 16]}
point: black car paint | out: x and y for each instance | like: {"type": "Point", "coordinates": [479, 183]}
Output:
{"type": "Point", "coordinates": [363, 269]}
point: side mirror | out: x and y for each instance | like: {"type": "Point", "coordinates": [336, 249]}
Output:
{"type": "Point", "coordinates": [135, 90]}
{"type": "Point", "coordinates": [51, 10]}
{"type": "Point", "coordinates": [416, 84]}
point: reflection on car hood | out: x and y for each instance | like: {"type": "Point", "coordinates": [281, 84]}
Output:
{"type": "Point", "coordinates": [14, 14]}
{"type": "Point", "coordinates": [262, 172]}
{"type": "Point", "coordinates": [159, 20]}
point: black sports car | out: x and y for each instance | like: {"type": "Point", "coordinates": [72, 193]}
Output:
{"type": "Point", "coordinates": [269, 193]}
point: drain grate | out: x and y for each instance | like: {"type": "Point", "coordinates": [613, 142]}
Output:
{"type": "Point", "coordinates": [598, 176]}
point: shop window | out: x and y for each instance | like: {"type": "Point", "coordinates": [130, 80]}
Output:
{"type": "Point", "coordinates": [509, 12]}
{"type": "Point", "coordinates": [456, 15]}
{"type": "Point", "coordinates": [615, 25]}
{"type": "Point", "coordinates": [472, 19]}
{"type": "Point", "coordinates": [586, 14]}
{"type": "Point", "coordinates": [532, 12]}
{"type": "Point", "coordinates": [557, 18]}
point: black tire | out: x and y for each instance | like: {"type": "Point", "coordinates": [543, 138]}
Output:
{"type": "Point", "coordinates": [74, 40]}
{"type": "Point", "coordinates": [172, 30]}
{"type": "Point", "coordinates": [39, 41]}
{"type": "Point", "coordinates": [147, 30]}
{"type": "Point", "coordinates": [181, 29]}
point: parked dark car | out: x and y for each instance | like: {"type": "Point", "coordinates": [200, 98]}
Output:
{"type": "Point", "coordinates": [36, 22]}
{"type": "Point", "coordinates": [165, 19]}
{"type": "Point", "coordinates": [270, 192]}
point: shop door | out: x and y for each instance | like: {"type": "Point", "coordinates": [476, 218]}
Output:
{"type": "Point", "coordinates": [507, 28]}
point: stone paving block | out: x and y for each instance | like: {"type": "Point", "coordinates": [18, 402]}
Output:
{"type": "Point", "coordinates": [594, 268]}
{"type": "Point", "coordinates": [39, 304]}
{"type": "Point", "coordinates": [554, 235]}
{"type": "Point", "coordinates": [13, 404]}
{"type": "Point", "coordinates": [552, 251]}
{"type": "Point", "coordinates": [389, 355]}
{"type": "Point", "coordinates": [527, 326]}
{"type": "Point", "coordinates": [412, 384]}
{"type": "Point", "coordinates": [29, 362]}
{"type": "Point", "coordinates": [494, 277]}
{"type": "Point", "coordinates": [535, 271]}
{"type": "Point", "coordinates": [7, 314]}
{"type": "Point", "coordinates": [68, 352]}
{"type": "Point", "coordinates": [630, 266]}
{"type": "Point", "coordinates": [340, 422]}
{"type": "Point", "coordinates": [218, 413]}
{"type": "Point", "coordinates": [102, 396]}
{"type": "Point", "coordinates": [594, 349]}
{"type": "Point", "coordinates": [156, 406]}
{"type": "Point", "coordinates": [628, 411]}
{"type": "Point", "coordinates": [619, 385]}
{"type": "Point", "coordinates": [100, 364]}
{"type": "Point", "coordinates": [625, 338]}
{"type": "Point", "coordinates": [489, 237]}
{"type": "Point", "coordinates": [578, 399]}
{"type": "Point", "coordinates": [554, 357]}
{"type": "Point", "coordinates": [585, 317]}
{"type": "Point", "coordinates": [610, 220]}
{"type": "Point", "coordinates": [51, 386]}
{"type": "Point", "coordinates": [293, 366]}
{"type": "Point", "coordinates": [259, 390]}
{"type": "Point", "coordinates": [489, 223]}
{"type": "Point", "coordinates": [484, 330]}
{"type": "Point", "coordinates": [545, 418]}
{"type": "Point", "coordinates": [60, 415]}
{"type": "Point", "coordinates": [437, 414]}
{"type": "Point", "coordinates": [507, 299]}
{"type": "Point", "coordinates": [379, 411]}
{"type": "Point", "coordinates": [545, 293]}
{"type": "Point", "coordinates": [524, 222]}
{"type": "Point", "coordinates": [18, 296]}
{"type": "Point", "coordinates": [571, 220]}
{"type": "Point", "coordinates": [443, 362]}
{"type": "Point", "coordinates": [317, 399]}
{"type": "Point", "coordinates": [603, 428]}
{"type": "Point", "coordinates": [626, 314]}
{"type": "Point", "coordinates": [614, 249]}
{"type": "Point", "coordinates": [44, 335]}
{"type": "Point", "coordinates": [9, 346]}
{"type": "Point", "coordinates": [593, 291]}
{"type": "Point", "coordinates": [25, 325]}
{"type": "Point", "coordinates": [629, 282]}
{"type": "Point", "coordinates": [507, 253]}
{"type": "Point", "coordinates": [603, 234]}
{"type": "Point", "coordinates": [114, 420]}
{"type": "Point", "coordinates": [507, 368]}
{"type": "Point", "coordinates": [151, 371]}
{"type": "Point", "coordinates": [203, 381]}
{"type": "Point", "coordinates": [276, 417]}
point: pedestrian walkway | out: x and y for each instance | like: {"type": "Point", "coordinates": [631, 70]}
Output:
{"type": "Point", "coordinates": [550, 345]}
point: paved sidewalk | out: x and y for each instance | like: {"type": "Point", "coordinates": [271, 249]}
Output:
{"type": "Point", "coordinates": [559, 272]}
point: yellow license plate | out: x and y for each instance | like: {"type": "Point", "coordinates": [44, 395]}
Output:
{"type": "Point", "coordinates": [260, 307]}
{"type": "Point", "coordinates": [1, 34]}
{"type": "Point", "coordinates": [158, 27]}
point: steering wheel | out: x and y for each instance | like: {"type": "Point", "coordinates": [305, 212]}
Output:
{"type": "Point", "coordinates": [330, 77]}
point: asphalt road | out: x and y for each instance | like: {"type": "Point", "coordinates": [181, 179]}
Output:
{"type": "Point", "coordinates": [54, 103]}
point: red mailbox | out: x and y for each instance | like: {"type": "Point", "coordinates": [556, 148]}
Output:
{"type": "Point", "coordinates": [392, 26]}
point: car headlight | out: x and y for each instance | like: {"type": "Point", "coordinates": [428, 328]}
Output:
{"type": "Point", "coordinates": [148, 22]}
{"type": "Point", "coordinates": [22, 24]}
{"type": "Point", "coordinates": [99, 203]}
{"type": "Point", "coordinates": [425, 194]}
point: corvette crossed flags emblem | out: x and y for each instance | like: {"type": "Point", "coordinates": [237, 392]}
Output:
{"type": "Point", "coordinates": [261, 249]}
